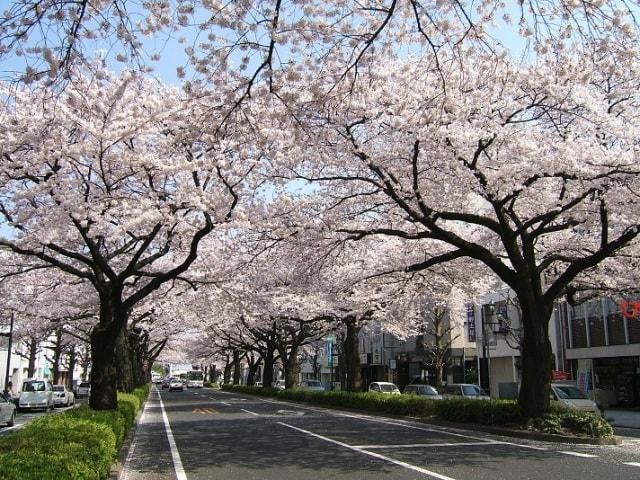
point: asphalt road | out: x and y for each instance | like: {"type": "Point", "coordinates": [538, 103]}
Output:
{"type": "Point", "coordinates": [213, 435]}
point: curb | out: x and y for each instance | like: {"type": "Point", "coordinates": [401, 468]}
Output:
{"type": "Point", "coordinates": [116, 468]}
{"type": "Point", "coordinates": [507, 432]}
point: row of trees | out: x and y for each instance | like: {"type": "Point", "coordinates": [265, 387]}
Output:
{"type": "Point", "coordinates": [319, 162]}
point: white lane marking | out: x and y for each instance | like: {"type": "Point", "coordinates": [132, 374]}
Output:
{"type": "Point", "coordinates": [225, 403]}
{"type": "Point", "coordinates": [252, 413]}
{"type": "Point", "coordinates": [578, 454]}
{"type": "Point", "coordinates": [632, 464]}
{"type": "Point", "coordinates": [439, 430]}
{"type": "Point", "coordinates": [371, 454]}
{"type": "Point", "coordinates": [175, 455]}
{"type": "Point", "coordinates": [127, 463]}
{"type": "Point", "coordinates": [420, 445]}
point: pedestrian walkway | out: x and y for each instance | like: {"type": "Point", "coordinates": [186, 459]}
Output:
{"type": "Point", "coordinates": [623, 418]}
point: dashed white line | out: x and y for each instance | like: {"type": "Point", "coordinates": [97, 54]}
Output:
{"type": "Point", "coordinates": [632, 464]}
{"type": "Point", "coordinates": [578, 454]}
{"type": "Point", "coordinates": [249, 411]}
{"type": "Point", "coordinates": [225, 403]}
{"type": "Point", "coordinates": [371, 454]}
{"type": "Point", "coordinates": [175, 455]}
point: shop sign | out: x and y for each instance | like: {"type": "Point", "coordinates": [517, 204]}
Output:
{"type": "Point", "coordinates": [629, 309]}
{"type": "Point", "coordinates": [559, 375]}
{"type": "Point", "coordinates": [471, 322]}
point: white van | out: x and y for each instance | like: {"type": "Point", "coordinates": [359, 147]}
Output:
{"type": "Point", "coordinates": [569, 395]}
{"type": "Point", "coordinates": [36, 394]}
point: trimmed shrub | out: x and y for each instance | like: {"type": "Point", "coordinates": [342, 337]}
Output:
{"type": "Point", "coordinates": [128, 406]}
{"type": "Point", "coordinates": [58, 446]}
{"type": "Point", "coordinates": [479, 412]}
{"type": "Point", "coordinates": [111, 418]}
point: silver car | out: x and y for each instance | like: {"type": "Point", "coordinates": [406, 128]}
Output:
{"type": "Point", "coordinates": [7, 410]}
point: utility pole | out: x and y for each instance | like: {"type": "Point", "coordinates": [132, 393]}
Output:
{"type": "Point", "coordinates": [10, 335]}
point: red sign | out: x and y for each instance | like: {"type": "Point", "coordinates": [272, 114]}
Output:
{"type": "Point", "coordinates": [629, 309]}
{"type": "Point", "coordinates": [559, 375]}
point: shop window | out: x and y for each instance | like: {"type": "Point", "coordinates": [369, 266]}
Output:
{"type": "Point", "coordinates": [579, 333]}
{"type": "Point", "coordinates": [596, 332]}
{"type": "Point", "coordinates": [616, 329]}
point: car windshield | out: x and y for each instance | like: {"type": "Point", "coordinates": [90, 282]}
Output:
{"type": "Point", "coordinates": [568, 392]}
{"type": "Point", "coordinates": [58, 388]}
{"type": "Point", "coordinates": [33, 387]}
{"type": "Point", "coordinates": [471, 390]}
{"type": "Point", "coordinates": [428, 390]}
{"type": "Point", "coordinates": [387, 387]}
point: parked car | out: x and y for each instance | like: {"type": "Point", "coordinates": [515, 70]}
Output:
{"type": "Point", "coordinates": [384, 387]}
{"type": "Point", "coordinates": [313, 385]}
{"type": "Point", "coordinates": [426, 391]}
{"type": "Point", "coordinates": [176, 384]}
{"type": "Point", "coordinates": [165, 382]}
{"type": "Point", "coordinates": [464, 390]}
{"type": "Point", "coordinates": [83, 390]}
{"type": "Point", "coordinates": [36, 394]}
{"type": "Point", "coordinates": [569, 395]}
{"type": "Point", "coordinates": [279, 384]}
{"type": "Point", "coordinates": [7, 410]}
{"type": "Point", "coordinates": [62, 396]}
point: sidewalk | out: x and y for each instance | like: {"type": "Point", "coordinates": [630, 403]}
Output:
{"type": "Point", "coordinates": [623, 418]}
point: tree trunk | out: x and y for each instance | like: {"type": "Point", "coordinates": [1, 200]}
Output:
{"type": "Point", "coordinates": [291, 369]}
{"type": "Point", "coordinates": [72, 366]}
{"type": "Point", "coordinates": [57, 354]}
{"type": "Point", "coordinates": [33, 354]}
{"type": "Point", "coordinates": [439, 375]}
{"type": "Point", "coordinates": [104, 340]}
{"type": "Point", "coordinates": [124, 367]}
{"type": "Point", "coordinates": [253, 368]}
{"type": "Point", "coordinates": [537, 360]}
{"type": "Point", "coordinates": [352, 369]}
{"type": "Point", "coordinates": [236, 367]}
{"type": "Point", "coordinates": [227, 372]}
{"type": "Point", "coordinates": [267, 371]}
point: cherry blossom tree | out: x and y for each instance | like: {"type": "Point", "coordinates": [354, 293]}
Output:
{"type": "Point", "coordinates": [531, 171]}
{"type": "Point", "coordinates": [108, 183]}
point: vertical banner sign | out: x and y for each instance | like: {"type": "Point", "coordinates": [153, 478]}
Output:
{"type": "Point", "coordinates": [471, 322]}
{"type": "Point", "coordinates": [502, 318]}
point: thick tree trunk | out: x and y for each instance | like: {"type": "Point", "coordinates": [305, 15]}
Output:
{"type": "Point", "coordinates": [226, 376]}
{"type": "Point", "coordinates": [352, 369]}
{"type": "Point", "coordinates": [124, 367]}
{"type": "Point", "coordinates": [537, 360]}
{"type": "Point", "coordinates": [33, 354]}
{"type": "Point", "coordinates": [104, 340]}
{"type": "Point", "coordinates": [72, 366]}
{"type": "Point", "coordinates": [253, 368]}
{"type": "Point", "coordinates": [267, 371]}
{"type": "Point", "coordinates": [291, 369]}
{"type": "Point", "coordinates": [236, 367]}
{"type": "Point", "coordinates": [57, 354]}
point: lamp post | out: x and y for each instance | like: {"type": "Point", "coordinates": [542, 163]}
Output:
{"type": "Point", "coordinates": [8, 370]}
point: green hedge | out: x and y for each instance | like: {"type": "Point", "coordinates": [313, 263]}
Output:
{"type": "Point", "coordinates": [58, 446]}
{"type": "Point", "coordinates": [79, 444]}
{"type": "Point", "coordinates": [480, 412]}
